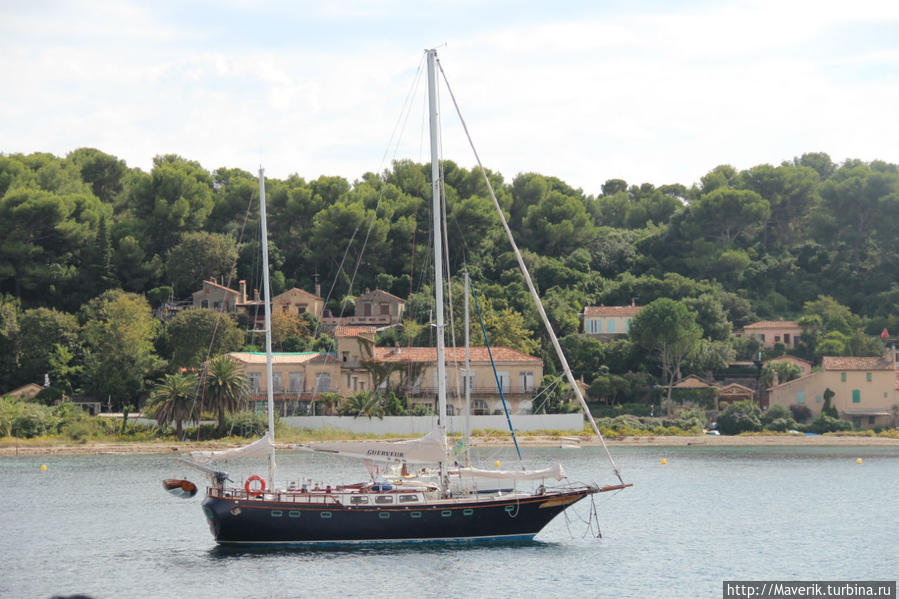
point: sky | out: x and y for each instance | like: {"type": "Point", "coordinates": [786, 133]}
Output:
{"type": "Point", "coordinates": [643, 90]}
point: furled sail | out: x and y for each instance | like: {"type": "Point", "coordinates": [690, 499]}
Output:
{"type": "Point", "coordinates": [428, 449]}
{"type": "Point", "coordinates": [260, 447]}
{"type": "Point", "coordinates": [556, 472]}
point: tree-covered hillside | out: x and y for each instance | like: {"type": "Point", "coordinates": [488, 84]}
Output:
{"type": "Point", "coordinates": [84, 240]}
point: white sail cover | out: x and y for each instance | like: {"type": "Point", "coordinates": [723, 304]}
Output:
{"type": "Point", "coordinates": [556, 471]}
{"type": "Point", "coordinates": [260, 447]}
{"type": "Point", "coordinates": [428, 449]}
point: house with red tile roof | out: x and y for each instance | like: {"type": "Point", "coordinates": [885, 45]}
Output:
{"type": "Point", "coordinates": [865, 389]}
{"type": "Point", "coordinates": [608, 321]}
{"type": "Point", "coordinates": [517, 373]}
{"type": "Point", "coordinates": [297, 302]}
{"type": "Point", "coordinates": [772, 332]}
{"type": "Point", "coordinates": [215, 296]}
{"type": "Point", "coordinates": [300, 379]}
{"type": "Point", "coordinates": [374, 308]}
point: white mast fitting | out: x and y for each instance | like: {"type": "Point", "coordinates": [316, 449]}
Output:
{"type": "Point", "coordinates": [438, 255]}
{"type": "Point", "coordinates": [268, 330]}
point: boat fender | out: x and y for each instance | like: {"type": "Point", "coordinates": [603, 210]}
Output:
{"type": "Point", "coordinates": [248, 486]}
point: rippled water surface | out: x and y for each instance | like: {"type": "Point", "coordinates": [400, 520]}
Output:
{"type": "Point", "coordinates": [102, 525]}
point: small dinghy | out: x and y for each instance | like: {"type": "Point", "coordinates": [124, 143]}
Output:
{"type": "Point", "coordinates": [180, 488]}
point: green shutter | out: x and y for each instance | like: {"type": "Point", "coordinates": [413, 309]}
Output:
{"type": "Point", "coordinates": [856, 396]}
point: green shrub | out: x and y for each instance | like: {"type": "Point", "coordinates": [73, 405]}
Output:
{"type": "Point", "coordinates": [781, 425]}
{"type": "Point", "coordinates": [81, 430]}
{"type": "Point", "coordinates": [827, 424]}
{"type": "Point", "coordinates": [247, 424]}
{"type": "Point", "coordinates": [800, 413]}
{"type": "Point", "coordinates": [49, 396]}
{"type": "Point", "coordinates": [33, 421]}
{"type": "Point", "coordinates": [774, 412]}
{"type": "Point", "coordinates": [740, 417]}
{"type": "Point", "coordinates": [693, 420]}
{"type": "Point", "coordinates": [636, 409]}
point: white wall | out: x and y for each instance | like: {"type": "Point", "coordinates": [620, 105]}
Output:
{"type": "Point", "coordinates": [409, 425]}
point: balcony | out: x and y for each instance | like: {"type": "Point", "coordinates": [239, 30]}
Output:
{"type": "Point", "coordinates": [487, 390]}
{"type": "Point", "coordinates": [261, 395]}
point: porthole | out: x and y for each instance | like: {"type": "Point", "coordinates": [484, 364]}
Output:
{"type": "Point", "coordinates": [325, 515]}
{"type": "Point", "coordinates": [415, 514]}
{"type": "Point", "coordinates": [294, 514]}
{"type": "Point", "coordinates": [383, 515]}
{"type": "Point", "coordinates": [277, 513]}
{"type": "Point", "coordinates": [446, 513]}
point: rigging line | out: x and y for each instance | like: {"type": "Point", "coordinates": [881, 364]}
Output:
{"type": "Point", "coordinates": [406, 110]}
{"type": "Point", "coordinates": [449, 285]}
{"type": "Point", "coordinates": [374, 217]}
{"type": "Point", "coordinates": [395, 136]}
{"type": "Point", "coordinates": [499, 384]}
{"type": "Point", "coordinates": [524, 270]}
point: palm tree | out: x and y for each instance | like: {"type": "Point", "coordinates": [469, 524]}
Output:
{"type": "Point", "coordinates": [227, 388]}
{"type": "Point", "coordinates": [364, 403]}
{"type": "Point", "coordinates": [172, 400]}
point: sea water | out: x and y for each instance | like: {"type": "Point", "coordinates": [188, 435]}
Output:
{"type": "Point", "coordinates": [102, 525]}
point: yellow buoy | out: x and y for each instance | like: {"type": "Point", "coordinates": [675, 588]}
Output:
{"type": "Point", "coordinates": [496, 463]}
{"type": "Point", "coordinates": [664, 461]}
{"type": "Point", "coordinates": [858, 461]}
{"type": "Point", "coordinates": [43, 467]}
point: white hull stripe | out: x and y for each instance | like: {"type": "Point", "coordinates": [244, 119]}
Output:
{"type": "Point", "coordinates": [519, 537]}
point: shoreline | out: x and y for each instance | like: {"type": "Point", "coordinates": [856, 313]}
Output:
{"type": "Point", "coordinates": [568, 441]}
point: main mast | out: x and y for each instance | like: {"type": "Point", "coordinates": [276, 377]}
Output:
{"type": "Point", "coordinates": [438, 253]}
{"type": "Point", "coordinates": [268, 329]}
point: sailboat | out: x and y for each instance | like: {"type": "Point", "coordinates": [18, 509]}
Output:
{"type": "Point", "coordinates": [443, 503]}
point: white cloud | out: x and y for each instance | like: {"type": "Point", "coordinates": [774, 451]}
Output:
{"type": "Point", "coordinates": [660, 97]}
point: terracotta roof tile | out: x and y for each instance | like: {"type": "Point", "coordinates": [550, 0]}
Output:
{"type": "Point", "coordinates": [855, 363]}
{"type": "Point", "coordinates": [773, 324]}
{"type": "Point", "coordinates": [217, 286]}
{"type": "Point", "coordinates": [296, 290]}
{"type": "Point", "coordinates": [612, 311]}
{"type": "Point", "coordinates": [380, 292]}
{"type": "Point", "coordinates": [691, 382]}
{"type": "Point", "coordinates": [457, 354]}
{"type": "Point", "coordinates": [278, 358]}
{"type": "Point", "coordinates": [354, 331]}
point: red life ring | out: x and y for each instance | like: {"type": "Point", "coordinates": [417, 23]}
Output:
{"type": "Point", "coordinates": [257, 492]}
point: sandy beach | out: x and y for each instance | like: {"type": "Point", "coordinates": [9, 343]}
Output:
{"type": "Point", "coordinates": [660, 441]}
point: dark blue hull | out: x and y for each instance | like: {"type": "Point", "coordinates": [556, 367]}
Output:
{"type": "Point", "coordinates": [278, 523]}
